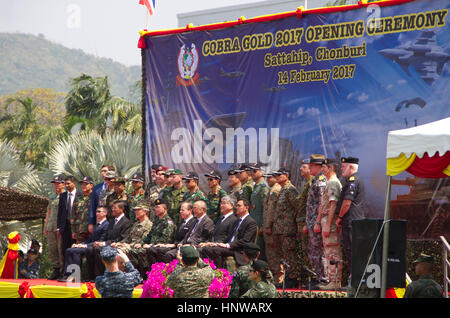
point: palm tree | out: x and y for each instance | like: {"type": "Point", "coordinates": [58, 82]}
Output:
{"type": "Point", "coordinates": [122, 115]}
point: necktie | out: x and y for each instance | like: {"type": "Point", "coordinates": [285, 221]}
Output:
{"type": "Point", "coordinates": [236, 228]}
{"type": "Point", "coordinates": [69, 205]}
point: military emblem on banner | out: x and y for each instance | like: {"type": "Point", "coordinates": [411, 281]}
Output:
{"type": "Point", "coordinates": [187, 66]}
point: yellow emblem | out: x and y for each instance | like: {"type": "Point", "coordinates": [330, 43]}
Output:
{"type": "Point", "coordinates": [352, 178]}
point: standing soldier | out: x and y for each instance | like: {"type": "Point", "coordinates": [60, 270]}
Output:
{"type": "Point", "coordinates": [257, 197]}
{"type": "Point", "coordinates": [118, 194]}
{"type": "Point", "coordinates": [425, 286]}
{"type": "Point", "coordinates": [312, 227]}
{"type": "Point", "coordinates": [108, 190]}
{"type": "Point", "coordinates": [80, 218]}
{"type": "Point", "coordinates": [53, 239]}
{"type": "Point", "coordinates": [235, 184]}
{"type": "Point", "coordinates": [153, 193]}
{"type": "Point", "coordinates": [215, 194]}
{"type": "Point", "coordinates": [302, 238]}
{"type": "Point", "coordinates": [138, 194]}
{"type": "Point", "coordinates": [194, 193]}
{"type": "Point", "coordinates": [328, 215]}
{"type": "Point", "coordinates": [269, 212]}
{"type": "Point", "coordinates": [174, 197]}
{"type": "Point", "coordinates": [351, 204]}
{"type": "Point", "coordinates": [246, 181]}
{"type": "Point", "coordinates": [285, 227]}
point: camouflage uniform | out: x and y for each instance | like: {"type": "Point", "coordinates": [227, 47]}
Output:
{"type": "Point", "coordinates": [285, 228]}
{"type": "Point", "coordinates": [424, 287]}
{"type": "Point", "coordinates": [53, 239]}
{"type": "Point", "coordinates": [191, 282]}
{"type": "Point", "coordinates": [103, 196]}
{"type": "Point", "coordinates": [138, 231]}
{"type": "Point", "coordinates": [302, 245]}
{"type": "Point", "coordinates": [197, 195]}
{"type": "Point", "coordinates": [247, 189]}
{"type": "Point", "coordinates": [133, 200]}
{"type": "Point", "coordinates": [270, 205]}
{"type": "Point", "coordinates": [332, 243]}
{"type": "Point", "coordinates": [262, 289]}
{"type": "Point", "coordinates": [315, 243]}
{"type": "Point", "coordinates": [152, 195]}
{"type": "Point", "coordinates": [241, 282]}
{"type": "Point", "coordinates": [235, 192]}
{"type": "Point", "coordinates": [162, 232]}
{"type": "Point", "coordinates": [118, 284]}
{"type": "Point", "coordinates": [213, 203]}
{"type": "Point", "coordinates": [257, 197]}
{"type": "Point", "coordinates": [79, 220]}
{"type": "Point", "coordinates": [174, 199]}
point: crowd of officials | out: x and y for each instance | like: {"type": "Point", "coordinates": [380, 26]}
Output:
{"type": "Point", "coordinates": [150, 224]}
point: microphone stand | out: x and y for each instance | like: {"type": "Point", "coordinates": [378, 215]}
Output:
{"type": "Point", "coordinates": [336, 263]}
{"type": "Point", "coordinates": [311, 273]}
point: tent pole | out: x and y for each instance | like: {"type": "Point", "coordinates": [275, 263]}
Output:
{"type": "Point", "coordinates": [387, 216]}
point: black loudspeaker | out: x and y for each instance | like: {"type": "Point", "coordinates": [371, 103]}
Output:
{"type": "Point", "coordinates": [364, 236]}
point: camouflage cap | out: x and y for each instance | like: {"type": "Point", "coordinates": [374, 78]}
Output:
{"type": "Point", "coordinates": [189, 252]}
{"type": "Point", "coordinates": [316, 159]}
{"type": "Point", "coordinates": [108, 253]}
{"type": "Point", "coordinates": [87, 180]}
{"type": "Point", "coordinates": [424, 258]}
{"type": "Point", "coordinates": [57, 179]}
{"type": "Point", "coordinates": [350, 160]}
{"type": "Point", "coordinates": [110, 175]}
{"type": "Point", "coordinates": [120, 180]}
{"type": "Point", "coordinates": [142, 206]}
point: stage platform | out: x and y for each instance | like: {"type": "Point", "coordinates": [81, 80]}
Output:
{"type": "Point", "coordinates": [44, 288]}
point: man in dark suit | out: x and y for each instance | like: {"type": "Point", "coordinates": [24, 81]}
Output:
{"type": "Point", "coordinates": [156, 253]}
{"type": "Point", "coordinates": [244, 231]}
{"type": "Point", "coordinates": [118, 229]}
{"type": "Point", "coordinates": [75, 253]}
{"type": "Point", "coordinates": [95, 196]}
{"type": "Point", "coordinates": [66, 208]}
{"type": "Point", "coordinates": [201, 232]}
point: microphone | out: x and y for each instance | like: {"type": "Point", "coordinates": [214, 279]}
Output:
{"type": "Point", "coordinates": [283, 262]}
{"type": "Point", "coordinates": [309, 271]}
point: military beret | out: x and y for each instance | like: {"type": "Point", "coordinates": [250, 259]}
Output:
{"type": "Point", "coordinates": [160, 201]}
{"type": "Point", "coordinates": [108, 253]}
{"type": "Point", "coordinates": [423, 258]}
{"type": "Point", "coordinates": [251, 247]}
{"type": "Point", "coordinates": [57, 179]}
{"type": "Point", "coordinates": [316, 159]}
{"type": "Point", "coordinates": [329, 161]}
{"type": "Point", "coordinates": [260, 266]}
{"type": "Point", "coordinates": [214, 174]}
{"type": "Point", "coordinates": [168, 172]}
{"type": "Point", "coordinates": [176, 171]}
{"type": "Point", "coordinates": [142, 206]}
{"type": "Point", "coordinates": [191, 176]}
{"type": "Point", "coordinates": [282, 170]}
{"type": "Point", "coordinates": [189, 252]}
{"type": "Point", "coordinates": [110, 175]}
{"type": "Point", "coordinates": [137, 177]}
{"type": "Point", "coordinates": [349, 160]}
{"type": "Point", "coordinates": [162, 168]}
{"type": "Point", "coordinates": [87, 180]}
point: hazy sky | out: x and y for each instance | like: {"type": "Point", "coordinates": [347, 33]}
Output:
{"type": "Point", "coordinates": [105, 28]}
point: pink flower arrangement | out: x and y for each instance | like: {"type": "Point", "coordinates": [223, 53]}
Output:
{"type": "Point", "coordinates": [155, 286]}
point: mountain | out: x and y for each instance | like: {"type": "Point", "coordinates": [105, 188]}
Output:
{"type": "Point", "coordinates": [29, 61]}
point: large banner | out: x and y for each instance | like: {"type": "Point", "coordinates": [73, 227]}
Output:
{"type": "Point", "coordinates": [275, 92]}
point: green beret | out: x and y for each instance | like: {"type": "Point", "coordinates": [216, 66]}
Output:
{"type": "Point", "coordinates": [160, 201]}
{"type": "Point", "coordinates": [176, 171]}
{"type": "Point", "coordinates": [189, 252]}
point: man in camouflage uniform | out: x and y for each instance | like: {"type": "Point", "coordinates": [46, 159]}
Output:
{"type": "Point", "coordinates": [162, 232]}
{"type": "Point", "coordinates": [174, 195]}
{"type": "Point", "coordinates": [215, 194]}
{"type": "Point", "coordinates": [246, 181]}
{"type": "Point", "coordinates": [235, 184]}
{"type": "Point", "coordinates": [302, 238]}
{"type": "Point", "coordinates": [312, 227]}
{"type": "Point", "coordinates": [425, 286]}
{"type": "Point", "coordinates": [53, 239]}
{"type": "Point", "coordinates": [103, 195]}
{"type": "Point", "coordinates": [139, 229]}
{"type": "Point", "coordinates": [285, 228]}
{"type": "Point", "coordinates": [328, 215]}
{"type": "Point", "coordinates": [154, 191]}
{"type": "Point", "coordinates": [191, 281]}
{"type": "Point", "coordinates": [138, 194]}
{"type": "Point", "coordinates": [194, 193]}
{"type": "Point", "coordinates": [257, 197]}
{"type": "Point", "coordinates": [119, 194]}
{"type": "Point", "coordinates": [269, 212]}
{"type": "Point", "coordinates": [80, 218]}
{"type": "Point", "coordinates": [114, 283]}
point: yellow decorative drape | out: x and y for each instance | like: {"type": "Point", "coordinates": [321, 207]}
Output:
{"type": "Point", "coordinates": [399, 164]}
{"type": "Point", "coordinates": [447, 171]}
{"type": "Point", "coordinates": [9, 290]}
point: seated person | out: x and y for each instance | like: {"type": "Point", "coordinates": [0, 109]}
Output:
{"type": "Point", "coordinates": [77, 251]}
{"type": "Point", "coordinates": [114, 283]}
{"type": "Point", "coordinates": [244, 232]}
{"type": "Point", "coordinates": [262, 287]}
{"type": "Point", "coordinates": [29, 268]}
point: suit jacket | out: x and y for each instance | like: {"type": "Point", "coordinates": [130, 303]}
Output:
{"type": "Point", "coordinates": [117, 232]}
{"type": "Point", "coordinates": [99, 234]}
{"type": "Point", "coordinates": [223, 229]}
{"type": "Point", "coordinates": [183, 229]}
{"type": "Point", "coordinates": [94, 201]}
{"type": "Point", "coordinates": [201, 232]}
{"type": "Point", "coordinates": [246, 234]}
{"type": "Point", "coordinates": [62, 210]}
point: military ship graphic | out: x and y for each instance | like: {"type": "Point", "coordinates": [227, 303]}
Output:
{"type": "Point", "coordinates": [425, 56]}
{"type": "Point", "coordinates": [232, 74]}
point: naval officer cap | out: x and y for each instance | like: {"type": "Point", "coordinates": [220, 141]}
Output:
{"type": "Point", "coordinates": [350, 160]}
{"type": "Point", "coordinates": [316, 159]}
{"type": "Point", "coordinates": [108, 254]}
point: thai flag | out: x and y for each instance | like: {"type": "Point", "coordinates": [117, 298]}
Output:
{"type": "Point", "coordinates": [150, 4]}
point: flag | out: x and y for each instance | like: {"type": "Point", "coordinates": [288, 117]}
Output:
{"type": "Point", "coordinates": [150, 4]}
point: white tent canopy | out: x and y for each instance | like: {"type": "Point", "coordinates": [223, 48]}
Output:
{"type": "Point", "coordinates": [431, 138]}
